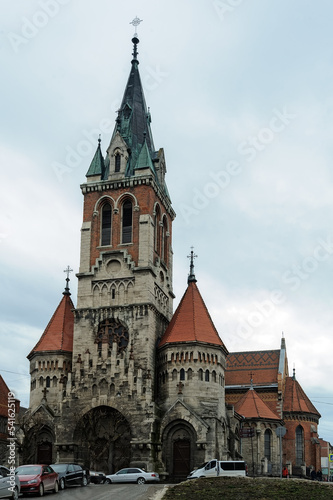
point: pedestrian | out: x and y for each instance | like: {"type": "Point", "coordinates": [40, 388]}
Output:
{"type": "Point", "coordinates": [285, 472]}
{"type": "Point", "coordinates": [319, 475]}
{"type": "Point", "coordinates": [313, 475]}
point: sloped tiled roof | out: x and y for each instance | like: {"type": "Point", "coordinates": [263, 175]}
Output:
{"type": "Point", "coordinates": [252, 406]}
{"type": "Point", "coordinates": [263, 365]}
{"type": "Point", "coordinates": [295, 399]}
{"type": "Point", "coordinates": [191, 322]}
{"type": "Point", "coordinates": [58, 335]}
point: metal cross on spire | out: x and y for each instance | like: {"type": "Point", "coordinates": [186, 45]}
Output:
{"type": "Point", "coordinates": [68, 270]}
{"type": "Point", "coordinates": [191, 276]}
{"type": "Point", "coordinates": [136, 21]}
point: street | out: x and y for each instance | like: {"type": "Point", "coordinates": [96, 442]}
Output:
{"type": "Point", "coordinates": [106, 492]}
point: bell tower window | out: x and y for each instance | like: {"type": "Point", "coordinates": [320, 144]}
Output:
{"type": "Point", "coordinates": [117, 162]}
{"type": "Point", "coordinates": [127, 222]}
{"type": "Point", "coordinates": [106, 225]}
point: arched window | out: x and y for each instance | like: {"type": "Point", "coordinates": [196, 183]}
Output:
{"type": "Point", "coordinates": [213, 376]}
{"type": "Point", "coordinates": [157, 234]}
{"type": "Point", "coordinates": [164, 241]}
{"type": "Point", "coordinates": [106, 225]}
{"type": "Point", "coordinates": [189, 374]}
{"type": "Point", "coordinates": [174, 374]}
{"type": "Point", "coordinates": [117, 160]}
{"type": "Point", "coordinates": [268, 444]}
{"type": "Point", "coordinates": [207, 376]}
{"type": "Point", "coordinates": [200, 374]}
{"type": "Point", "coordinates": [48, 381]}
{"type": "Point", "coordinates": [127, 222]}
{"type": "Point", "coordinates": [182, 374]}
{"type": "Point", "coordinates": [299, 445]}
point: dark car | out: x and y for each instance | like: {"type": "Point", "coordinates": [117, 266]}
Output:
{"type": "Point", "coordinates": [71, 475]}
{"type": "Point", "coordinates": [97, 477]}
{"type": "Point", "coordinates": [37, 479]}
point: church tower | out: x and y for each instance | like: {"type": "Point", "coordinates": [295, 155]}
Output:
{"type": "Point", "coordinates": [125, 293]}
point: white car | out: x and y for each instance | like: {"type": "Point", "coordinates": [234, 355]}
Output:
{"type": "Point", "coordinates": [132, 475]}
{"type": "Point", "coordinates": [9, 484]}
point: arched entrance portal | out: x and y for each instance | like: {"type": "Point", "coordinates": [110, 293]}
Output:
{"type": "Point", "coordinates": [179, 439]}
{"type": "Point", "coordinates": [38, 445]}
{"type": "Point", "coordinates": [103, 437]}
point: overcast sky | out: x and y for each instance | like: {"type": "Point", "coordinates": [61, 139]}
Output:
{"type": "Point", "coordinates": [240, 94]}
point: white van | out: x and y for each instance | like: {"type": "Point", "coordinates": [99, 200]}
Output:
{"type": "Point", "coordinates": [216, 468]}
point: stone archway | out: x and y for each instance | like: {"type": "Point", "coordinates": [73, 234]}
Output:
{"type": "Point", "coordinates": [102, 437]}
{"type": "Point", "coordinates": [179, 449]}
{"type": "Point", "coordinates": [38, 445]}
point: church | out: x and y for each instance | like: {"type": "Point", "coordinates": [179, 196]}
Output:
{"type": "Point", "coordinates": [120, 379]}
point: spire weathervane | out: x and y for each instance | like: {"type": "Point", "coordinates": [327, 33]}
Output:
{"type": "Point", "coordinates": [191, 277]}
{"type": "Point", "coordinates": [136, 21]}
{"type": "Point", "coordinates": [68, 270]}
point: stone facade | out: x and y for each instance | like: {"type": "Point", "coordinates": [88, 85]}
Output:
{"type": "Point", "coordinates": [120, 380]}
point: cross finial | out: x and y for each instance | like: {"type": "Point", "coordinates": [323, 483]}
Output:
{"type": "Point", "coordinates": [180, 387]}
{"type": "Point", "coordinates": [68, 270]}
{"type": "Point", "coordinates": [44, 391]}
{"type": "Point", "coordinates": [136, 21]}
{"type": "Point", "coordinates": [191, 276]}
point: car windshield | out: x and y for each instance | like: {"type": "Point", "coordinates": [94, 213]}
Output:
{"type": "Point", "coordinates": [59, 467]}
{"type": "Point", "coordinates": [28, 470]}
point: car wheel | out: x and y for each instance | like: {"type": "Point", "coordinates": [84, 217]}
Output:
{"type": "Point", "coordinates": [15, 494]}
{"type": "Point", "coordinates": [56, 487]}
{"type": "Point", "coordinates": [41, 490]}
{"type": "Point", "coordinates": [84, 481]}
{"type": "Point", "coordinates": [141, 480]}
{"type": "Point", "coordinates": [107, 481]}
{"type": "Point", "coordinates": [62, 484]}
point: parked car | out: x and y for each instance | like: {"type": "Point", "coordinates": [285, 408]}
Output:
{"type": "Point", "coordinates": [71, 475]}
{"type": "Point", "coordinates": [37, 479]}
{"type": "Point", "coordinates": [97, 477]}
{"type": "Point", "coordinates": [216, 468]}
{"type": "Point", "coordinates": [132, 475]}
{"type": "Point", "coordinates": [9, 484]}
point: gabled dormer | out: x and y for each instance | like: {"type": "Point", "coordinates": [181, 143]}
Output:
{"type": "Point", "coordinates": [117, 158]}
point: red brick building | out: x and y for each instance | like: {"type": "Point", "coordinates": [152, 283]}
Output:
{"type": "Point", "coordinates": [276, 399]}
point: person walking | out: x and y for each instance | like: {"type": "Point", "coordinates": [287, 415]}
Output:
{"type": "Point", "coordinates": [285, 472]}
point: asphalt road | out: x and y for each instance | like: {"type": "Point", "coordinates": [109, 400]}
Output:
{"type": "Point", "coordinates": [106, 492]}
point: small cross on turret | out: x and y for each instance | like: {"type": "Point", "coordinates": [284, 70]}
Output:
{"type": "Point", "coordinates": [68, 270]}
{"type": "Point", "coordinates": [191, 276]}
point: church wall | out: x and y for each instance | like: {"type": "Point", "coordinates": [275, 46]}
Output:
{"type": "Point", "coordinates": [143, 197]}
{"type": "Point", "coordinates": [47, 370]}
{"type": "Point", "coordinates": [253, 448]}
{"type": "Point", "coordinates": [311, 444]}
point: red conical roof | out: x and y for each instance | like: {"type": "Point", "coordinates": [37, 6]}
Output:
{"type": "Point", "coordinates": [58, 335]}
{"type": "Point", "coordinates": [252, 406]}
{"type": "Point", "coordinates": [295, 399]}
{"type": "Point", "coordinates": [191, 322]}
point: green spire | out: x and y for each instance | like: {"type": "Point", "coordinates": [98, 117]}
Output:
{"type": "Point", "coordinates": [97, 166]}
{"type": "Point", "coordinates": [133, 121]}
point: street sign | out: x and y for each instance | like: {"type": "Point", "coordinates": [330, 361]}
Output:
{"type": "Point", "coordinates": [330, 457]}
{"type": "Point", "coordinates": [247, 432]}
{"type": "Point", "coordinates": [280, 431]}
